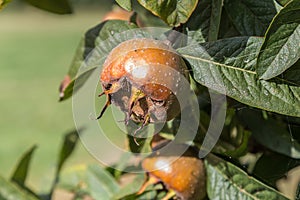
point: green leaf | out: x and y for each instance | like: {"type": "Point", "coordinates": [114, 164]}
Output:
{"type": "Point", "coordinates": [131, 188]}
{"type": "Point", "coordinates": [10, 191]}
{"type": "Point", "coordinates": [291, 75]}
{"type": "Point", "coordinates": [67, 148]}
{"type": "Point", "coordinates": [80, 80]}
{"type": "Point", "coordinates": [100, 183]}
{"type": "Point", "coordinates": [129, 191]}
{"type": "Point", "coordinates": [226, 181]}
{"type": "Point", "coordinates": [205, 20]}
{"type": "Point", "coordinates": [271, 167]}
{"type": "Point", "coordinates": [250, 17]}
{"type": "Point", "coordinates": [137, 144]}
{"type": "Point", "coordinates": [281, 48]}
{"type": "Point", "coordinates": [173, 12]}
{"type": "Point", "coordinates": [151, 193]}
{"type": "Point", "coordinates": [228, 66]}
{"type": "Point", "coordinates": [283, 2]}
{"type": "Point", "coordinates": [20, 174]}
{"type": "Point", "coordinates": [126, 4]}
{"type": "Point", "coordinates": [91, 39]}
{"type": "Point", "coordinates": [270, 133]}
{"type": "Point", "coordinates": [71, 177]}
{"type": "Point", "coordinates": [55, 6]}
{"type": "Point", "coordinates": [227, 28]}
{"type": "Point", "coordinates": [242, 149]}
{"type": "Point", "coordinates": [3, 3]}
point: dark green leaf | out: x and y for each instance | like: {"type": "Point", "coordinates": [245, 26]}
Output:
{"type": "Point", "coordinates": [205, 20]}
{"type": "Point", "coordinates": [101, 185]}
{"type": "Point", "coordinates": [126, 4]}
{"type": "Point", "coordinates": [298, 192]}
{"type": "Point", "coordinates": [173, 12]}
{"type": "Point", "coordinates": [250, 17]}
{"type": "Point", "coordinates": [91, 39]}
{"type": "Point", "coordinates": [271, 167]}
{"type": "Point", "coordinates": [3, 3]}
{"type": "Point", "coordinates": [55, 6]}
{"type": "Point", "coordinates": [66, 150]}
{"type": "Point", "coordinates": [291, 75]}
{"type": "Point", "coordinates": [283, 2]}
{"type": "Point", "coordinates": [226, 181]}
{"type": "Point", "coordinates": [227, 28]}
{"type": "Point", "coordinates": [281, 48]}
{"type": "Point", "coordinates": [20, 174]}
{"type": "Point", "coordinates": [10, 191]}
{"type": "Point", "coordinates": [270, 133]}
{"type": "Point", "coordinates": [228, 66]}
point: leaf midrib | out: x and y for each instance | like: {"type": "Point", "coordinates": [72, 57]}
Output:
{"type": "Point", "coordinates": [218, 64]}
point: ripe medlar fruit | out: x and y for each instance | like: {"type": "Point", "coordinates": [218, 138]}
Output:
{"type": "Point", "coordinates": [183, 174]}
{"type": "Point", "coordinates": [142, 76]}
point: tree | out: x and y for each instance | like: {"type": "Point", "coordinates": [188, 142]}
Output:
{"type": "Point", "coordinates": [245, 52]}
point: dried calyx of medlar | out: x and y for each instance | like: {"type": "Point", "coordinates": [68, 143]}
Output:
{"type": "Point", "coordinates": [182, 175]}
{"type": "Point", "coordinates": [142, 77]}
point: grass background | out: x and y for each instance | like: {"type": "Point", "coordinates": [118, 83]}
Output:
{"type": "Point", "coordinates": [36, 49]}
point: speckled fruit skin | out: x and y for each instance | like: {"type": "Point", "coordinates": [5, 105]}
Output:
{"type": "Point", "coordinates": [186, 175]}
{"type": "Point", "coordinates": [138, 76]}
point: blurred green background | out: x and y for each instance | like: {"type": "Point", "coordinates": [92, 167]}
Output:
{"type": "Point", "coordinates": [36, 49]}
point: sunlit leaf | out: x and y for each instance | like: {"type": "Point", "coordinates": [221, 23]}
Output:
{"type": "Point", "coordinates": [228, 66]}
{"type": "Point", "coordinates": [226, 181]}
{"type": "Point", "coordinates": [10, 191]}
{"type": "Point", "coordinates": [126, 4]}
{"type": "Point", "coordinates": [100, 183]}
{"type": "Point", "coordinates": [173, 12]}
{"type": "Point", "coordinates": [281, 48]}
